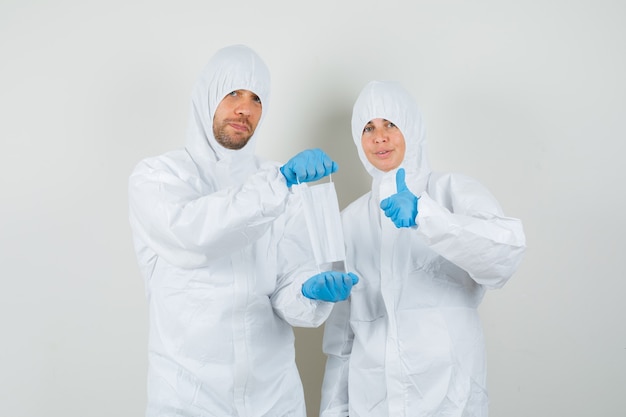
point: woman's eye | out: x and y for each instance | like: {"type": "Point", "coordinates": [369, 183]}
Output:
{"type": "Point", "coordinates": [232, 93]}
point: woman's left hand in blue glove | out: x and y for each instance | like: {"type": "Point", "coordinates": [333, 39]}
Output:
{"type": "Point", "coordinates": [401, 207]}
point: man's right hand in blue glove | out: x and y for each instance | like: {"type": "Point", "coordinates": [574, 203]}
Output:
{"type": "Point", "coordinates": [329, 286]}
{"type": "Point", "coordinates": [307, 166]}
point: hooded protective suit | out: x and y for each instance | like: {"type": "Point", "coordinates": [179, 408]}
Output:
{"type": "Point", "coordinates": [224, 256]}
{"type": "Point", "coordinates": [408, 342]}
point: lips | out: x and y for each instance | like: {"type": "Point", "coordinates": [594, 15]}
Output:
{"type": "Point", "coordinates": [240, 126]}
{"type": "Point", "coordinates": [383, 153]}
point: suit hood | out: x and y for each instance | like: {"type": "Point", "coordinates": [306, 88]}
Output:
{"type": "Point", "coordinates": [232, 68]}
{"type": "Point", "coordinates": [389, 100]}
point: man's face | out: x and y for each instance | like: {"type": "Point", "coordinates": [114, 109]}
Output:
{"type": "Point", "coordinates": [236, 118]}
{"type": "Point", "coordinates": [383, 144]}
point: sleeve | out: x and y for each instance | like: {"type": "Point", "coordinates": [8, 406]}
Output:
{"type": "Point", "coordinates": [188, 227]}
{"type": "Point", "coordinates": [337, 345]}
{"type": "Point", "coordinates": [463, 222]}
{"type": "Point", "coordinates": [296, 264]}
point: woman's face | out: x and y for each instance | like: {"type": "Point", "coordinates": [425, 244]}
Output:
{"type": "Point", "coordinates": [383, 144]}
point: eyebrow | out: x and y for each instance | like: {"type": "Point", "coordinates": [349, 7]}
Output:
{"type": "Point", "coordinates": [384, 120]}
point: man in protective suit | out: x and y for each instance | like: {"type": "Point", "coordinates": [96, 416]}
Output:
{"type": "Point", "coordinates": [408, 342]}
{"type": "Point", "coordinates": [227, 261]}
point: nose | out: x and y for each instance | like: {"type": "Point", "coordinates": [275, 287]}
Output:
{"type": "Point", "coordinates": [243, 108]}
{"type": "Point", "coordinates": [380, 138]}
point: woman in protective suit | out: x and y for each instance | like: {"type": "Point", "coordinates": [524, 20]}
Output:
{"type": "Point", "coordinates": [408, 341]}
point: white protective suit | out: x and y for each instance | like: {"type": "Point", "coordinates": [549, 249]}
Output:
{"type": "Point", "coordinates": [223, 248]}
{"type": "Point", "coordinates": [409, 342]}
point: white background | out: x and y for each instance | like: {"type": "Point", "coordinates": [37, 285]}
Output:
{"type": "Point", "coordinates": [527, 96]}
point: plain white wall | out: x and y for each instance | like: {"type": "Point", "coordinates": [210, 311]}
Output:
{"type": "Point", "coordinates": [527, 96]}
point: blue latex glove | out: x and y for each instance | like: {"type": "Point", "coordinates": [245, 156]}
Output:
{"type": "Point", "coordinates": [309, 165]}
{"type": "Point", "coordinates": [401, 207]}
{"type": "Point", "coordinates": [330, 286]}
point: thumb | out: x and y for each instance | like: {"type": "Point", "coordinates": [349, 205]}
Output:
{"type": "Point", "coordinates": [400, 183]}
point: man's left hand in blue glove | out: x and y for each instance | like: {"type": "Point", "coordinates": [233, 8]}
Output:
{"type": "Point", "coordinates": [401, 207]}
{"type": "Point", "coordinates": [307, 166]}
{"type": "Point", "coordinates": [329, 286]}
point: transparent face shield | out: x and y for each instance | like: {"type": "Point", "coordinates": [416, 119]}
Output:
{"type": "Point", "coordinates": [323, 220]}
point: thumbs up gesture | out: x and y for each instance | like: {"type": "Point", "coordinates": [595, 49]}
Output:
{"type": "Point", "coordinates": [401, 207]}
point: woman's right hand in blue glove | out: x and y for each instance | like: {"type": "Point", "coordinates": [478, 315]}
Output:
{"type": "Point", "coordinates": [307, 166]}
{"type": "Point", "coordinates": [329, 286]}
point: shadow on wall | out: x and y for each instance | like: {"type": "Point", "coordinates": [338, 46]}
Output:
{"type": "Point", "coordinates": [311, 362]}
